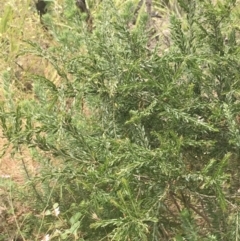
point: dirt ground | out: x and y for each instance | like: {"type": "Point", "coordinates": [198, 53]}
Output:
{"type": "Point", "coordinates": [11, 166]}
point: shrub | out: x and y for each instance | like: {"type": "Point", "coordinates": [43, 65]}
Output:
{"type": "Point", "coordinates": [134, 143]}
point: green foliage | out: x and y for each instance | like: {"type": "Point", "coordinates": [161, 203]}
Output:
{"type": "Point", "coordinates": [134, 143]}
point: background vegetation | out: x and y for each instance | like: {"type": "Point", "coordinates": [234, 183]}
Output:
{"type": "Point", "coordinates": [132, 121]}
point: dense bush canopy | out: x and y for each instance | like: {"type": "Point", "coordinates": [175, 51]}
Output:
{"type": "Point", "coordinates": [135, 140]}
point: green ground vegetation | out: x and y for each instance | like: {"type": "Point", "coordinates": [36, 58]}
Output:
{"type": "Point", "coordinates": [133, 120]}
